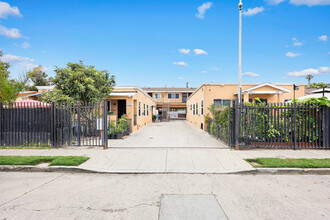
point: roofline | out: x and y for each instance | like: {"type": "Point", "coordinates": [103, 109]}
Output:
{"type": "Point", "coordinates": [135, 87]}
{"type": "Point", "coordinates": [243, 84]}
{"type": "Point", "coordinates": [171, 91]}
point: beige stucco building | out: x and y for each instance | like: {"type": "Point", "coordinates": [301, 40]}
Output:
{"type": "Point", "coordinates": [133, 102]}
{"type": "Point", "coordinates": [223, 94]}
{"type": "Point", "coordinates": [171, 102]}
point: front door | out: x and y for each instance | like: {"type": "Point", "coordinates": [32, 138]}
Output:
{"type": "Point", "coordinates": [121, 108]}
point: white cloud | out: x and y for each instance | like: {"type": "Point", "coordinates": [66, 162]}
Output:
{"type": "Point", "coordinates": [323, 38]}
{"type": "Point", "coordinates": [23, 63]}
{"type": "Point", "coordinates": [180, 63]}
{"type": "Point", "coordinates": [251, 74]}
{"type": "Point", "coordinates": [301, 2]}
{"type": "Point", "coordinates": [253, 11]}
{"type": "Point", "coordinates": [202, 9]}
{"type": "Point", "coordinates": [203, 71]}
{"type": "Point", "coordinates": [184, 51]}
{"type": "Point", "coordinates": [200, 52]}
{"type": "Point", "coordinates": [11, 33]}
{"type": "Point", "coordinates": [274, 2]}
{"type": "Point", "coordinates": [6, 10]}
{"type": "Point", "coordinates": [216, 69]}
{"type": "Point", "coordinates": [290, 54]}
{"type": "Point", "coordinates": [180, 78]}
{"type": "Point", "coordinates": [24, 45]}
{"type": "Point", "coordinates": [320, 70]}
{"type": "Point", "coordinates": [296, 42]}
{"type": "Point", "coordinates": [310, 2]}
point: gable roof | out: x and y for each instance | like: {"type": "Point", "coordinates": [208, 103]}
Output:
{"type": "Point", "coordinates": [265, 84]}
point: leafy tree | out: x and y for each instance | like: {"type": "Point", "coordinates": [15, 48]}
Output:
{"type": "Point", "coordinates": [9, 89]}
{"type": "Point", "coordinates": [38, 76]}
{"type": "Point", "coordinates": [4, 67]}
{"type": "Point", "coordinates": [78, 82]}
{"type": "Point", "coordinates": [309, 77]}
{"type": "Point", "coordinates": [318, 85]}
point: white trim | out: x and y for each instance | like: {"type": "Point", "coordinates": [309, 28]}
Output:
{"type": "Point", "coordinates": [137, 88]}
{"type": "Point", "coordinates": [266, 84]}
{"type": "Point", "coordinates": [123, 94]}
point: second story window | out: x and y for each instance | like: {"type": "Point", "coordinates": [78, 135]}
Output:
{"type": "Point", "coordinates": [150, 94]}
{"type": "Point", "coordinates": [173, 95]}
{"type": "Point", "coordinates": [158, 96]}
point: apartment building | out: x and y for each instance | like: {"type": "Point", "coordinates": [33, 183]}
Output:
{"type": "Point", "coordinates": [224, 93]}
{"type": "Point", "coordinates": [171, 103]}
{"type": "Point", "coordinates": [133, 102]}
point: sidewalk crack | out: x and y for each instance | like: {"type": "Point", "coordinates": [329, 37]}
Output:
{"type": "Point", "coordinates": [33, 189]}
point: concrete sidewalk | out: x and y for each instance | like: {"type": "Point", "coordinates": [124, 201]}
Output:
{"type": "Point", "coordinates": [140, 160]}
{"type": "Point", "coordinates": [168, 160]}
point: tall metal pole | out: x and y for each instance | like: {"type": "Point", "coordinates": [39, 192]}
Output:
{"type": "Point", "coordinates": [240, 6]}
{"type": "Point", "coordinates": [239, 99]}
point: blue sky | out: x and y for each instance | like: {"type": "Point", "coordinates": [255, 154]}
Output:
{"type": "Point", "coordinates": [140, 41]}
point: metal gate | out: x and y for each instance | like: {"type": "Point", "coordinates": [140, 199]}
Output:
{"type": "Point", "coordinates": [56, 124]}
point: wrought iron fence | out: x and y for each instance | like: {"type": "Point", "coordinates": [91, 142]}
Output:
{"type": "Point", "coordinates": [281, 125]}
{"type": "Point", "coordinates": [55, 124]}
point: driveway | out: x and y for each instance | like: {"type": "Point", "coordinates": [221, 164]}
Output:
{"type": "Point", "coordinates": [176, 133]}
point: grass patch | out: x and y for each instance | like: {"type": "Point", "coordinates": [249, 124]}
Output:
{"type": "Point", "coordinates": [35, 160]}
{"type": "Point", "coordinates": [25, 147]}
{"type": "Point", "coordinates": [296, 163]}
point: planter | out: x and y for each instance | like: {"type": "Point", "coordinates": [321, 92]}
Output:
{"type": "Point", "coordinates": [119, 135]}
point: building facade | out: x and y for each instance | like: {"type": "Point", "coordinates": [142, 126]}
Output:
{"type": "Point", "coordinates": [224, 94]}
{"type": "Point", "coordinates": [133, 102]}
{"type": "Point", "coordinates": [171, 103]}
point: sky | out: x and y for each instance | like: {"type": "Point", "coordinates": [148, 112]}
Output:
{"type": "Point", "coordinates": [170, 42]}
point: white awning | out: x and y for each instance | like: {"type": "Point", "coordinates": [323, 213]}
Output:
{"type": "Point", "coordinates": [123, 94]}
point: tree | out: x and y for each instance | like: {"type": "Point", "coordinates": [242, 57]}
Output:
{"type": "Point", "coordinates": [4, 67]}
{"type": "Point", "coordinates": [78, 82]}
{"type": "Point", "coordinates": [309, 77]}
{"type": "Point", "coordinates": [318, 85]}
{"type": "Point", "coordinates": [8, 88]}
{"type": "Point", "coordinates": [38, 76]}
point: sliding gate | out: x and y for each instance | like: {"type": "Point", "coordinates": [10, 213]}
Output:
{"type": "Point", "coordinates": [56, 124]}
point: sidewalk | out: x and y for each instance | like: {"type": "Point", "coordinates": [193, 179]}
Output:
{"type": "Point", "coordinates": [167, 160]}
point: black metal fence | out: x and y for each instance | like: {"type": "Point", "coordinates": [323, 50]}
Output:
{"type": "Point", "coordinates": [55, 124]}
{"type": "Point", "coordinates": [281, 125]}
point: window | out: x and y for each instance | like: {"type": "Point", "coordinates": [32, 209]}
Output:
{"type": "Point", "coordinates": [196, 108]}
{"type": "Point", "coordinates": [189, 94]}
{"type": "Point", "coordinates": [263, 100]}
{"type": "Point", "coordinates": [158, 96]}
{"type": "Point", "coordinates": [150, 94]}
{"type": "Point", "coordinates": [139, 108]}
{"type": "Point", "coordinates": [109, 106]}
{"type": "Point", "coordinates": [147, 110]}
{"type": "Point", "coordinates": [190, 107]}
{"type": "Point", "coordinates": [224, 102]}
{"type": "Point", "coordinates": [144, 109]}
{"type": "Point", "coordinates": [173, 95]}
{"type": "Point", "coordinates": [194, 111]}
{"type": "Point", "coordinates": [250, 100]}
{"type": "Point", "coordinates": [202, 107]}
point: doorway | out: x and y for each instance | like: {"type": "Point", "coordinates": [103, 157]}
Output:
{"type": "Point", "coordinates": [121, 108]}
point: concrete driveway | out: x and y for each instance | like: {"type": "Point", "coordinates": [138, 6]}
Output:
{"type": "Point", "coordinates": [176, 133]}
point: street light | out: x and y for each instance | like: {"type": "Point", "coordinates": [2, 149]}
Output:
{"type": "Point", "coordinates": [240, 6]}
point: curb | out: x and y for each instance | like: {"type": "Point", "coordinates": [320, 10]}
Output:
{"type": "Point", "coordinates": [259, 171]}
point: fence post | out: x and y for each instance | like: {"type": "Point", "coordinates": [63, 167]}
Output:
{"type": "Point", "coordinates": [105, 122]}
{"type": "Point", "coordinates": [325, 126]}
{"type": "Point", "coordinates": [295, 124]}
{"type": "Point", "coordinates": [237, 125]}
{"type": "Point", "coordinates": [52, 125]}
{"type": "Point", "coordinates": [1, 124]}
{"type": "Point", "coordinates": [78, 122]}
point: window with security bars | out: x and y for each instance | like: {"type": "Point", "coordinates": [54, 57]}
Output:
{"type": "Point", "coordinates": [173, 95]}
